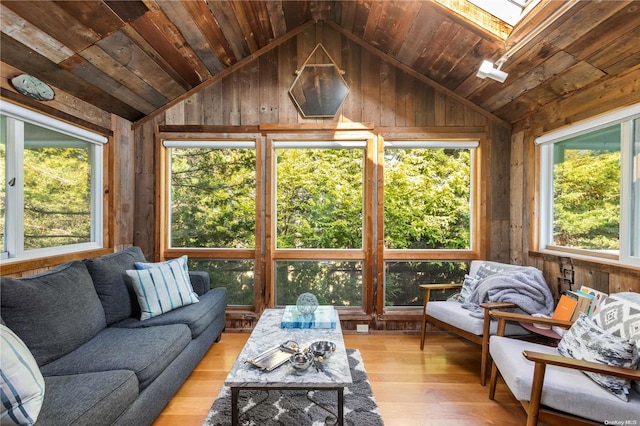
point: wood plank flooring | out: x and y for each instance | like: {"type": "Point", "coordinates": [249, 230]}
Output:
{"type": "Point", "coordinates": [437, 386]}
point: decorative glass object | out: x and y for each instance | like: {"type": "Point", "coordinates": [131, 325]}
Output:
{"type": "Point", "coordinates": [307, 303]}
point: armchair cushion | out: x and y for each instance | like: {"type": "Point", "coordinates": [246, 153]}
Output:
{"type": "Point", "coordinates": [564, 389]}
{"type": "Point", "coordinates": [454, 314]}
{"type": "Point", "coordinates": [586, 341]}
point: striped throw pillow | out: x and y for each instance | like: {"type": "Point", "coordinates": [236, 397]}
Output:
{"type": "Point", "coordinates": [22, 383]}
{"type": "Point", "coordinates": [161, 289]}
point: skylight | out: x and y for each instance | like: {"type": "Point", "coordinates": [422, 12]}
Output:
{"type": "Point", "coordinates": [509, 11]}
{"type": "Point", "coordinates": [495, 16]}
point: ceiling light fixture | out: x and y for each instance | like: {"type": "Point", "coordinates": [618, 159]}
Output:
{"type": "Point", "coordinates": [487, 70]}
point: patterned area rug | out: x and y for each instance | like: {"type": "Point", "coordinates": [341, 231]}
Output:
{"type": "Point", "coordinates": [289, 408]}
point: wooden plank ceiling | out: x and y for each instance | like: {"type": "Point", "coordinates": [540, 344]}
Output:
{"type": "Point", "coordinates": [135, 57]}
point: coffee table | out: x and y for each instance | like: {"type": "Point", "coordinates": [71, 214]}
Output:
{"type": "Point", "coordinates": [334, 374]}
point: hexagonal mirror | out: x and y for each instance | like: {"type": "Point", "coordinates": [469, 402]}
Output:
{"type": "Point", "coordinates": [319, 89]}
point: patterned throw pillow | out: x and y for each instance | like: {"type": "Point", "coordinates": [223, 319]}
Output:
{"type": "Point", "coordinates": [162, 287]}
{"type": "Point", "coordinates": [22, 383]}
{"type": "Point", "coordinates": [619, 314]}
{"type": "Point", "coordinates": [586, 341]}
{"type": "Point", "coordinates": [468, 286]}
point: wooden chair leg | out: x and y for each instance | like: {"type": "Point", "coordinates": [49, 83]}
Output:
{"type": "Point", "coordinates": [536, 394]}
{"type": "Point", "coordinates": [484, 361]}
{"type": "Point", "coordinates": [493, 381]}
{"type": "Point", "coordinates": [424, 329]}
{"type": "Point", "coordinates": [427, 294]}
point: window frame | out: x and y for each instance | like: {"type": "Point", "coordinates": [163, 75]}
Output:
{"type": "Point", "coordinates": [353, 140]}
{"type": "Point", "coordinates": [545, 143]}
{"type": "Point", "coordinates": [475, 145]}
{"type": "Point", "coordinates": [16, 117]}
{"type": "Point", "coordinates": [167, 139]}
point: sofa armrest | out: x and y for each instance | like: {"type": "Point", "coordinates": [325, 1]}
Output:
{"type": "Point", "coordinates": [200, 282]}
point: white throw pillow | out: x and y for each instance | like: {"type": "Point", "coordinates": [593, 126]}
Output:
{"type": "Point", "coordinates": [162, 287]}
{"type": "Point", "coordinates": [22, 383]}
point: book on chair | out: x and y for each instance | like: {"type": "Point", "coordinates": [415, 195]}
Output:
{"type": "Point", "coordinates": [583, 300]}
{"type": "Point", "coordinates": [565, 308]}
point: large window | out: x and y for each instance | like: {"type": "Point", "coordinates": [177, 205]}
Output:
{"type": "Point", "coordinates": [319, 206]}
{"type": "Point", "coordinates": [428, 205]}
{"type": "Point", "coordinates": [51, 200]}
{"type": "Point", "coordinates": [355, 220]}
{"type": "Point", "coordinates": [212, 207]}
{"type": "Point", "coordinates": [590, 178]}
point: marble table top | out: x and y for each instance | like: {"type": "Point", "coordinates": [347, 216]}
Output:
{"type": "Point", "coordinates": [267, 333]}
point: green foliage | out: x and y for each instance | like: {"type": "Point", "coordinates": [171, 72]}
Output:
{"type": "Point", "coordinates": [427, 199]}
{"type": "Point", "coordinates": [213, 198]}
{"type": "Point", "coordinates": [337, 283]}
{"type": "Point", "coordinates": [586, 204]}
{"type": "Point", "coordinates": [57, 197]}
{"type": "Point", "coordinates": [319, 198]}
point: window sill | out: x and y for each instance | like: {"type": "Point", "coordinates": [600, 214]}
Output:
{"type": "Point", "coordinates": [35, 265]}
{"type": "Point", "coordinates": [597, 263]}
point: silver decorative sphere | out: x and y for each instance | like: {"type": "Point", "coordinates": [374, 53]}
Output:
{"type": "Point", "coordinates": [307, 303]}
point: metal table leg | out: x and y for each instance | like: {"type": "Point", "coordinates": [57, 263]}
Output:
{"type": "Point", "coordinates": [234, 406]}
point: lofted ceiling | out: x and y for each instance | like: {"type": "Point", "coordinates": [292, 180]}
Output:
{"type": "Point", "coordinates": [135, 57]}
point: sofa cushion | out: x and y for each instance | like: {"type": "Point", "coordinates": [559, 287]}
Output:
{"type": "Point", "coordinates": [22, 384]}
{"type": "Point", "coordinates": [564, 389]}
{"type": "Point", "coordinates": [54, 312]}
{"type": "Point", "coordinates": [178, 266]}
{"type": "Point", "coordinates": [145, 351]}
{"type": "Point", "coordinates": [88, 399]}
{"type": "Point", "coordinates": [162, 289]}
{"type": "Point", "coordinates": [197, 316]}
{"type": "Point", "coordinates": [454, 314]}
{"type": "Point", "coordinates": [116, 294]}
{"type": "Point", "coordinates": [586, 341]}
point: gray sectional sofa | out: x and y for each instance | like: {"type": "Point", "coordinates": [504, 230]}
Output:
{"type": "Point", "coordinates": [101, 364]}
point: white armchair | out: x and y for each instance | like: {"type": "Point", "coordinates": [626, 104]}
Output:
{"type": "Point", "coordinates": [552, 388]}
{"type": "Point", "coordinates": [452, 316]}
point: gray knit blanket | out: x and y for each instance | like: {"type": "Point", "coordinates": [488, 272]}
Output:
{"type": "Point", "coordinates": [524, 287]}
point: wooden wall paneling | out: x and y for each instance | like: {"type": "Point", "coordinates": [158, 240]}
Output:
{"type": "Point", "coordinates": [231, 100]}
{"type": "Point", "coordinates": [175, 115]}
{"type": "Point", "coordinates": [269, 87]}
{"type": "Point", "coordinates": [123, 189]}
{"type": "Point", "coordinates": [516, 199]}
{"type": "Point", "coordinates": [145, 218]}
{"type": "Point", "coordinates": [387, 95]}
{"type": "Point", "coordinates": [454, 114]}
{"type": "Point", "coordinates": [370, 87]}
{"type": "Point", "coordinates": [498, 205]}
{"type": "Point", "coordinates": [619, 282]}
{"type": "Point", "coordinates": [351, 60]}
{"type": "Point", "coordinates": [287, 65]}
{"type": "Point", "coordinates": [213, 103]}
{"type": "Point", "coordinates": [249, 86]}
{"type": "Point", "coordinates": [193, 109]}
{"type": "Point", "coordinates": [440, 109]}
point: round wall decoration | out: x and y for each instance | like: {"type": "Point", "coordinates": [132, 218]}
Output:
{"type": "Point", "coordinates": [30, 86]}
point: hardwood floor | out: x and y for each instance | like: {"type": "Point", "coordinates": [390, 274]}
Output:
{"type": "Point", "coordinates": [437, 386]}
